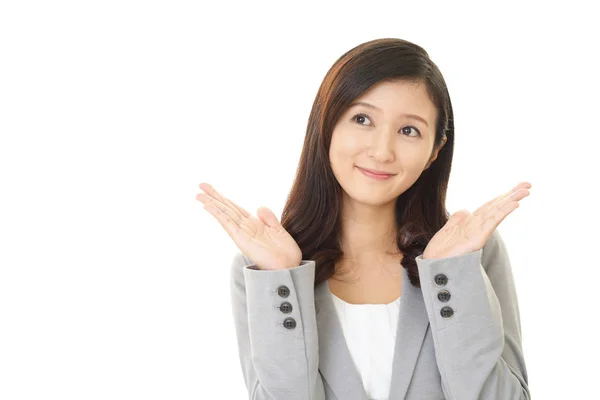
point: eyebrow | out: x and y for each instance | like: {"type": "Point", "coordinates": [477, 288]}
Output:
{"type": "Point", "coordinates": [413, 116]}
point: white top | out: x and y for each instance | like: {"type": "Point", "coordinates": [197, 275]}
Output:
{"type": "Point", "coordinates": [370, 332]}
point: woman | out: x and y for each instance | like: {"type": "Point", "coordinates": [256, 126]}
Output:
{"type": "Point", "coordinates": [368, 288]}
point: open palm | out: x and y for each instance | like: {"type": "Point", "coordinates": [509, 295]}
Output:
{"type": "Point", "coordinates": [261, 239]}
{"type": "Point", "coordinates": [465, 232]}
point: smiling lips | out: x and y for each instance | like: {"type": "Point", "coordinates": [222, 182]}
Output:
{"type": "Point", "coordinates": [374, 171]}
{"type": "Point", "coordinates": [373, 174]}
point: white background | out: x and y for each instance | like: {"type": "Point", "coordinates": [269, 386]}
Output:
{"type": "Point", "coordinates": [114, 281]}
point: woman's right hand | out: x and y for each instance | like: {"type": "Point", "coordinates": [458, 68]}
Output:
{"type": "Point", "coordinates": [261, 239]}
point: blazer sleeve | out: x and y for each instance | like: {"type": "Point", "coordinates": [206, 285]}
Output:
{"type": "Point", "coordinates": [477, 339]}
{"type": "Point", "coordinates": [277, 362]}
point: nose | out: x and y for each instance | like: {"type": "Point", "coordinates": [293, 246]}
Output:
{"type": "Point", "coordinates": [382, 145]}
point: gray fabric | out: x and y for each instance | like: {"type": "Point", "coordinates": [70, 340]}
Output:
{"type": "Point", "coordinates": [475, 354]}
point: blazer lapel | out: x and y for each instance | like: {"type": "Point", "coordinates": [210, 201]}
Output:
{"type": "Point", "coordinates": [413, 322]}
{"type": "Point", "coordinates": [335, 361]}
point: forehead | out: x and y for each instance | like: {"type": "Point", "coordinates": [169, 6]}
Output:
{"type": "Point", "coordinates": [397, 97]}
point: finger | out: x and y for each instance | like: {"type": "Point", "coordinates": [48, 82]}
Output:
{"type": "Point", "coordinates": [492, 223]}
{"type": "Point", "coordinates": [239, 208]}
{"type": "Point", "coordinates": [206, 199]}
{"type": "Point", "coordinates": [245, 221]}
{"type": "Point", "coordinates": [515, 196]}
{"type": "Point", "coordinates": [211, 191]}
{"type": "Point", "coordinates": [232, 229]}
{"type": "Point", "coordinates": [215, 204]}
{"type": "Point", "coordinates": [225, 206]}
{"type": "Point", "coordinates": [267, 216]}
{"type": "Point", "coordinates": [521, 185]}
{"type": "Point", "coordinates": [489, 205]}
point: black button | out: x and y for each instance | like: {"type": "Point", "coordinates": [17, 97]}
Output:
{"type": "Point", "coordinates": [447, 312]}
{"type": "Point", "coordinates": [283, 291]}
{"type": "Point", "coordinates": [285, 307]}
{"type": "Point", "coordinates": [444, 295]}
{"type": "Point", "coordinates": [289, 323]}
{"type": "Point", "coordinates": [441, 279]}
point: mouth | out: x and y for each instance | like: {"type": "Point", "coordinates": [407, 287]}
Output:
{"type": "Point", "coordinates": [374, 174]}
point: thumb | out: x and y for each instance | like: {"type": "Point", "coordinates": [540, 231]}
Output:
{"type": "Point", "coordinates": [268, 217]}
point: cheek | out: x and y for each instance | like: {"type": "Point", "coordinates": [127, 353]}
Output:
{"type": "Point", "coordinates": [345, 150]}
{"type": "Point", "coordinates": [413, 155]}
{"type": "Point", "coordinates": [348, 144]}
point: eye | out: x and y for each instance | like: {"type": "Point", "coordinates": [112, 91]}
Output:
{"type": "Point", "coordinates": [410, 126]}
{"type": "Point", "coordinates": [364, 116]}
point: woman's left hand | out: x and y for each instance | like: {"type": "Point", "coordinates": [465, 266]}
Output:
{"type": "Point", "coordinates": [465, 232]}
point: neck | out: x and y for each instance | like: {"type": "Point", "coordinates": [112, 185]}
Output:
{"type": "Point", "coordinates": [368, 232]}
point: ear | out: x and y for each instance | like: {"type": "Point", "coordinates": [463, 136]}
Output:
{"type": "Point", "coordinates": [435, 153]}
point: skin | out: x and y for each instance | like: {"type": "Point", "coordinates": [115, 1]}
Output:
{"type": "Point", "coordinates": [383, 139]}
{"type": "Point", "coordinates": [380, 138]}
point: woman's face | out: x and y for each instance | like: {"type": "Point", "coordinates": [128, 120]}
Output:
{"type": "Point", "coordinates": [384, 137]}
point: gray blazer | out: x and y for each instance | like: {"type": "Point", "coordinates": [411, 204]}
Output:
{"type": "Point", "coordinates": [472, 350]}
